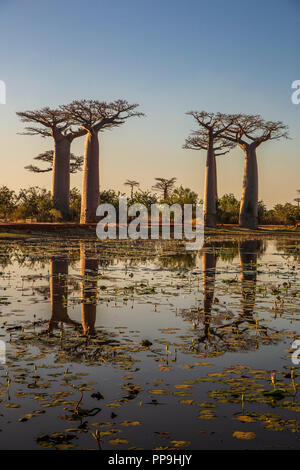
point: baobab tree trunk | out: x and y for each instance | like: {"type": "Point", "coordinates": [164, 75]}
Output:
{"type": "Point", "coordinates": [216, 178]}
{"type": "Point", "coordinates": [90, 181]}
{"type": "Point", "coordinates": [61, 175]}
{"type": "Point", "coordinates": [210, 189]}
{"type": "Point", "coordinates": [249, 199]}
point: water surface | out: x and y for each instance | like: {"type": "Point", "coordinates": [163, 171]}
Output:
{"type": "Point", "coordinates": [154, 347]}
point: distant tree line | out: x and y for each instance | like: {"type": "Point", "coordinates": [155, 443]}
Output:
{"type": "Point", "coordinates": [37, 204]}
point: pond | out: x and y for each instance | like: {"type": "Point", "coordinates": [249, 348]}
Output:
{"type": "Point", "coordinates": [142, 345]}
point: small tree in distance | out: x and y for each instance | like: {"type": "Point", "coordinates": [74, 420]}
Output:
{"type": "Point", "coordinates": [132, 184]}
{"type": "Point", "coordinates": [164, 186]}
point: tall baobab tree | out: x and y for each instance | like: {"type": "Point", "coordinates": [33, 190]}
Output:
{"type": "Point", "coordinates": [164, 186]}
{"type": "Point", "coordinates": [94, 116]}
{"type": "Point", "coordinates": [48, 122]}
{"type": "Point", "coordinates": [48, 157]}
{"type": "Point", "coordinates": [209, 138]}
{"type": "Point", "coordinates": [132, 184]}
{"type": "Point", "coordinates": [249, 132]}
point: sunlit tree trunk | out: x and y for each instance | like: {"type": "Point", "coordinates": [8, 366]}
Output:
{"type": "Point", "coordinates": [61, 175]}
{"type": "Point", "coordinates": [249, 200]}
{"type": "Point", "coordinates": [90, 182]}
{"type": "Point", "coordinates": [210, 188]}
{"type": "Point", "coordinates": [216, 178]}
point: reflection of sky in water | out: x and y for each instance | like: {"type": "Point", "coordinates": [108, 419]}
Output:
{"type": "Point", "coordinates": [177, 302]}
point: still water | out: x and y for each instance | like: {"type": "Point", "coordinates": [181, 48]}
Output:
{"type": "Point", "coordinates": [151, 346]}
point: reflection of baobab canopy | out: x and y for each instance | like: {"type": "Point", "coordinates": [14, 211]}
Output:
{"type": "Point", "coordinates": [59, 293]}
{"type": "Point", "coordinates": [89, 271]}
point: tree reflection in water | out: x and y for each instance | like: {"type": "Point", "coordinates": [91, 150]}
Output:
{"type": "Point", "coordinates": [219, 331]}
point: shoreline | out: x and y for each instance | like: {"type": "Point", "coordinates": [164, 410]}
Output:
{"type": "Point", "coordinates": [11, 231]}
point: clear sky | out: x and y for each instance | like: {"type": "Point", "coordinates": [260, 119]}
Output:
{"type": "Point", "coordinates": [169, 56]}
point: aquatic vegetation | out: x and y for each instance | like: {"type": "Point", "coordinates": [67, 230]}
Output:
{"type": "Point", "coordinates": [142, 345]}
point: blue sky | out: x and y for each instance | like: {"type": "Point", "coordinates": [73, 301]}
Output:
{"type": "Point", "coordinates": [170, 56]}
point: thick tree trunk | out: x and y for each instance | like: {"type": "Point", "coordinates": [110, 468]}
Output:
{"type": "Point", "coordinates": [216, 178]}
{"type": "Point", "coordinates": [209, 202]}
{"type": "Point", "coordinates": [249, 200]}
{"type": "Point", "coordinates": [90, 182]}
{"type": "Point", "coordinates": [61, 175]}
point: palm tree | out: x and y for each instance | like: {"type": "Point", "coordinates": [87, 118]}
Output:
{"type": "Point", "coordinates": [133, 184]}
{"type": "Point", "coordinates": [94, 116]}
{"type": "Point", "coordinates": [164, 186]}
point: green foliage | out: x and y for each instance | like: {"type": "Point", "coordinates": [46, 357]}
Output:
{"type": "Point", "coordinates": [7, 202]}
{"type": "Point", "coordinates": [75, 204]}
{"type": "Point", "coordinates": [228, 208]}
{"type": "Point", "coordinates": [36, 203]}
{"type": "Point", "coordinates": [261, 212]}
{"type": "Point", "coordinates": [287, 214]}
{"type": "Point", "coordinates": [182, 196]}
{"type": "Point", "coordinates": [143, 197]}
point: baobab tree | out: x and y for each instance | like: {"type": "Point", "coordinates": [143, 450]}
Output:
{"type": "Point", "coordinates": [48, 122]}
{"type": "Point", "coordinates": [209, 138]}
{"type": "Point", "coordinates": [249, 132]}
{"type": "Point", "coordinates": [94, 116]}
{"type": "Point", "coordinates": [164, 186]}
{"type": "Point", "coordinates": [48, 157]}
{"type": "Point", "coordinates": [132, 184]}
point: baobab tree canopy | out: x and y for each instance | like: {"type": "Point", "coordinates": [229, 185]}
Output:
{"type": "Point", "coordinates": [94, 116]}
{"type": "Point", "coordinates": [50, 122]}
{"type": "Point", "coordinates": [247, 130]}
